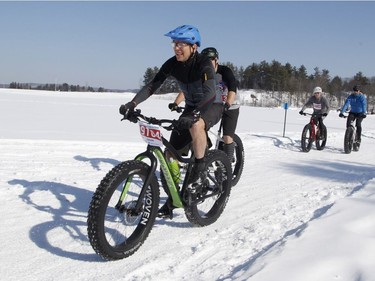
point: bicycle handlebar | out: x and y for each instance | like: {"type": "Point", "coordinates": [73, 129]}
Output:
{"type": "Point", "coordinates": [179, 109]}
{"type": "Point", "coordinates": [355, 116]}
{"type": "Point", "coordinates": [314, 114]}
{"type": "Point", "coordinates": [136, 115]}
{"type": "Point", "coordinates": [344, 116]}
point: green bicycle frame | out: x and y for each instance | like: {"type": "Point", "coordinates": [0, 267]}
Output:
{"type": "Point", "coordinates": [150, 154]}
{"type": "Point", "coordinates": [176, 200]}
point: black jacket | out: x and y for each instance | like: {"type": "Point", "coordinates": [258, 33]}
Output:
{"type": "Point", "coordinates": [196, 78]}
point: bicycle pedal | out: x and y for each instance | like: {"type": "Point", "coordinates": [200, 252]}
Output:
{"type": "Point", "coordinates": [198, 188]}
{"type": "Point", "coordinates": [192, 188]}
{"type": "Point", "coordinates": [165, 212]}
{"type": "Point", "coordinates": [165, 215]}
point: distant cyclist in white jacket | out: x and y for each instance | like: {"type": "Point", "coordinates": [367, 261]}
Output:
{"type": "Point", "coordinates": [319, 104]}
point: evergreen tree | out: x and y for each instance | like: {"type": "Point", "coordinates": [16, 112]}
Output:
{"type": "Point", "coordinates": [149, 75]}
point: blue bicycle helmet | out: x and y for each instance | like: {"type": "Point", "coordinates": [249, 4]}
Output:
{"type": "Point", "coordinates": [185, 33]}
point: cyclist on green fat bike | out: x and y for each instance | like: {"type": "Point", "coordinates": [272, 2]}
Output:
{"type": "Point", "coordinates": [319, 104]}
{"type": "Point", "coordinates": [226, 92]}
{"type": "Point", "coordinates": [196, 78]}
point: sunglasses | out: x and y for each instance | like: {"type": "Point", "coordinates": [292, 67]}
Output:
{"type": "Point", "coordinates": [180, 45]}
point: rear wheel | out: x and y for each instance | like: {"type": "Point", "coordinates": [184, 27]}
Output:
{"type": "Point", "coordinates": [206, 206]}
{"type": "Point", "coordinates": [306, 138]}
{"type": "Point", "coordinates": [348, 140]}
{"type": "Point", "coordinates": [116, 228]}
{"type": "Point", "coordinates": [238, 160]}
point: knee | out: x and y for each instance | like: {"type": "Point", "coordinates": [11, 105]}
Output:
{"type": "Point", "coordinates": [228, 139]}
{"type": "Point", "coordinates": [199, 125]}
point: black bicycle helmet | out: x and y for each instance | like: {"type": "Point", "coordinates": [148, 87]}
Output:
{"type": "Point", "coordinates": [356, 88]}
{"type": "Point", "coordinates": [211, 52]}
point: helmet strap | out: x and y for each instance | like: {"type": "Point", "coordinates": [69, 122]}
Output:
{"type": "Point", "coordinates": [194, 50]}
{"type": "Point", "coordinates": [216, 64]}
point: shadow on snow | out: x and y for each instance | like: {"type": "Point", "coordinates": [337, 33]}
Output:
{"type": "Point", "coordinates": [70, 216]}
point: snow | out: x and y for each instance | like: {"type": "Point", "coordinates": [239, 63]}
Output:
{"type": "Point", "coordinates": [292, 216]}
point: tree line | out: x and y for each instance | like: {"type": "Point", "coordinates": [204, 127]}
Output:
{"type": "Point", "coordinates": [65, 87]}
{"type": "Point", "coordinates": [276, 77]}
{"type": "Point", "coordinates": [268, 77]}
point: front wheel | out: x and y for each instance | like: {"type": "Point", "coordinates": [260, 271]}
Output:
{"type": "Point", "coordinates": [321, 139]}
{"type": "Point", "coordinates": [209, 204]}
{"type": "Point", "coordinates": [356, 143]}
{"type": "Point", "coordinates": [306, 138]}
{"type": "Point", "coordinates": [116, 226]}
{"type": "Point", "coordinates": [348, 140]}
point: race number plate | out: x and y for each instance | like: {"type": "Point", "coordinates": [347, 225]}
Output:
{"type": "Point", "coordinates": [151, 134]}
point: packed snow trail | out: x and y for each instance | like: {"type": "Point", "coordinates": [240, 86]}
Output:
{"type": "Point", "coordinates": [47, 182]}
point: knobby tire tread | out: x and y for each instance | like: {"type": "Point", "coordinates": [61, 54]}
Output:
{"type": "Point", "coordinates": [192, 212]}
{"type": "Point", "coordinates": [98, 206]}
{"type": "Point", "coordinates": [348, 140]}
{"type": "Point", "coordinates": [320, 144]}
{"type": "Point", "coordinates": [306, 142]}
{"type": "Point", "coordinates": [240, 160]}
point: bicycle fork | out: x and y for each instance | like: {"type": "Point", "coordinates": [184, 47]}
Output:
{"type": "Point", "coordinates": [138, 206]}
{"type": "Point", "coordinates": [150, 154]}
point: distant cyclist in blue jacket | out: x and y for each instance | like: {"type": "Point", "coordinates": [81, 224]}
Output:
{"type": "Point", "coordinates": [358, 109]}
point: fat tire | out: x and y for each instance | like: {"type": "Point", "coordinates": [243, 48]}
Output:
{"type": "Point", "coordinates": [306, 138]}
{"type": "Point", "coordinates": [320, 144]}
{"type": "Point", "coordinates": [239, 154]}
{"type": "Point", "coordinates": [131, 229]}
{"type": "Point", "coordinates": [356, 145]}
{"type": "Point", "coordinates": [219, 168]}
{"type": "Point", "coordinates": [348, 140]}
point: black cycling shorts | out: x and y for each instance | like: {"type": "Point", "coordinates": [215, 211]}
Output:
{"type": "Point", "coordinates": [230, 118]}
{"type": "Point", "coordinates": [181, 139]}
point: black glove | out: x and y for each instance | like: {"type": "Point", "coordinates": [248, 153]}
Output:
{"type": "Point", "coordinates": [125, 109]}
{"type": "Point", "coordinates": [325, 114]}
{"type": "Point", "coordinates": [363, 116]}
{"type": "Point", "coordinates": [301, 112]}
{"type": "Point", "coordinates": [185, 122]}
{"type": "Point", "coordinates": [174, 107]}
{"type": "Point", "coordinates": [226, 106]}
{"type": "Point", "coordinates": [341, 115]}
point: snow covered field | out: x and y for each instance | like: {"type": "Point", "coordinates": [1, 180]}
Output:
{"type": "Point", "coordinates": [293, 215]}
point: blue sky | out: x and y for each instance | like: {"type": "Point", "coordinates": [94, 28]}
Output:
{"type": "Point", "coordinates": [111, 44]}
